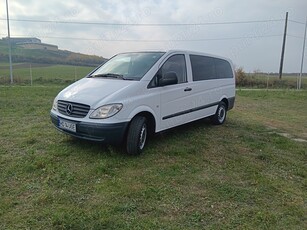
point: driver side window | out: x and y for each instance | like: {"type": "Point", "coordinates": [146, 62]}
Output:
{"type": "Point", "coordinates": [176, 64]}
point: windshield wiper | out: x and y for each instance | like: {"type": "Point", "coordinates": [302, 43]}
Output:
{"type": "Point", "coordinates": [111, 75]}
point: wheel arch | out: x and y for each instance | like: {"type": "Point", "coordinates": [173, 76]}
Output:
{"type": "Point", "coordinates": [148, 114]}
{"type": "Point", "coordinates": [226, 101]}
{"type": "Point", "coordinates": [151, 122]}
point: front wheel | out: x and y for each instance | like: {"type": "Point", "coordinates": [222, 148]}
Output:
{"type": "Point", "coordinates": [220, 116]}
{"type": "Point", "coordinates": [137, 135]}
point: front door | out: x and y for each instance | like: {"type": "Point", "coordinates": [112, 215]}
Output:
{"type": "Point", "coordinates": [175, 99]}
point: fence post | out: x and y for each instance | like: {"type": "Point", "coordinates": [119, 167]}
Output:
{"type": "Point", "coordinates": [31, 78]}
{"type": "Point", "coordinates": [75, 73]}
{"type": "Point", "coordinates": [302, 62]}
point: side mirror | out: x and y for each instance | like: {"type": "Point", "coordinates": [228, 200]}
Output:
{"type": "Point", "coordinates": [169, 78]}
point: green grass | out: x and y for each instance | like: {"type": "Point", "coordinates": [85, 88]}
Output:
{"type": "Point", "coordinates": [46, 75]}
{"type": "Point", "coordinates": [198, 176]}
{"type": "Point", "coordinates": [284, 110]}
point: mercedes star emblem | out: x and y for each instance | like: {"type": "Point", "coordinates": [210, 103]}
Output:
{"type": "Point", "coordinates": [69, 109]}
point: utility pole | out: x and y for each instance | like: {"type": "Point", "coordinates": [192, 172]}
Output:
{"type": "Point", "coordinates": [303, 53]}
{"type": "Point", "coordinates": [9, 41]}
{"type": "Point", "coordinates": [283, 47]}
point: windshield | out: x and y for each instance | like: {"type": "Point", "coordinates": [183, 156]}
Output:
{"type": "Point", "coordinates": [128, 66]}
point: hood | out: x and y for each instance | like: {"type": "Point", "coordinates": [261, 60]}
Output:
{"type": "Point", "coordinates": [91, 91]}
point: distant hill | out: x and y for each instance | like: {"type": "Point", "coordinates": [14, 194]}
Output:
{"type": "Point", "coordinates": [20, 54]}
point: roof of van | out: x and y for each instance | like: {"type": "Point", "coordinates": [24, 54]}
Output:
{"type": "Point", "coordinates": [196, 53]}
{"type": "Point", "coordinates": [183, 51]}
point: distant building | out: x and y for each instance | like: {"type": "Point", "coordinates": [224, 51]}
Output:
{"type": "Point", "coordinates": [31, 43]}
{"type": "Point", "coordinates": [16, 41]}
{"type": "Point", "coordinates": [38, 46]}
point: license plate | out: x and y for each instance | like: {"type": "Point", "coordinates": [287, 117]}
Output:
{"type": "Point", "coordinates": [67, 125]}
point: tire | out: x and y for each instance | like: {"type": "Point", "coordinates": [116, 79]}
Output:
{"type": "Point", "coordinates": [220, 116]}
{"type": "Point", "coordinates": [137, 135]}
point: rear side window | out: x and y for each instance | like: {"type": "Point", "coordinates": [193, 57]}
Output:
{"type": "Point", "coordinates": [223, 68]}
{"type": "Point", "coordinates": [202, 68]}
{"type": "Point", "coordinates": [207, 68]}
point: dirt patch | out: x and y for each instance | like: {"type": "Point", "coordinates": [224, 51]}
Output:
{"type": "Point", "coordinates": [299, 139]}
{"type": "Point", "coordinates": [287, 135]}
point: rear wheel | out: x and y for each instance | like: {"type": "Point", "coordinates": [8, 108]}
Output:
{"type": "Point", "coordinates": [220, 116]}
{"type": "Point", "coordinates": [137, 135]}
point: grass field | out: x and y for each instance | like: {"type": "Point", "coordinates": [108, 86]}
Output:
{"type": "Point", "coordinates": [241, 175]}
{"type": "Point", "coordinates": [43, 74]}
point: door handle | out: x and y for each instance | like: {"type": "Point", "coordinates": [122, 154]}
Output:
{"type": "Point", "coordinates": [188, 89]}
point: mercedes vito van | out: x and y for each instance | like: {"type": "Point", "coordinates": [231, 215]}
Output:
{"type": "Point", "coordinates": [136, 94]}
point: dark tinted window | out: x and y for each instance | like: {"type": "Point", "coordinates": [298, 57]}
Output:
{"type": "Point", "coordinates": [207, 68]}
{"type": "Point", "coordinates": [223, 68]}
{"type": "Point", "coordinates": [175, 64]}
{"type": "Point", "coordinates": [202, 67]}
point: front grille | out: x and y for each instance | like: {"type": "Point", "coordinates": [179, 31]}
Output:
{"type": "Point", "coordinates": [73, 109]}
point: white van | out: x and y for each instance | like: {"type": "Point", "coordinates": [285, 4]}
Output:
{"type": "Point", "coordinates": [136, 94]}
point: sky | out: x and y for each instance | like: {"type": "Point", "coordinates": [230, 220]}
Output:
{"type": "Point", "coordinates": [254, 46]}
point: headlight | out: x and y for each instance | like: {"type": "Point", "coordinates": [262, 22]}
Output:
{"type": "Point", "coordinates": [55, 105]}
{"type": "Point", "coordinates": [106, 111]}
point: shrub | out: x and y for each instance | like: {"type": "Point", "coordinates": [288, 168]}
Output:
{"type": "Point", "coordinates": [241, 77]}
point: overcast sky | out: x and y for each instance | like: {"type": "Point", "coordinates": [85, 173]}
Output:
{"type": "Point", "coordinates": [260, 53]}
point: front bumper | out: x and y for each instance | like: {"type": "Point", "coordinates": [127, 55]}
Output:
{"type": "Point", "coordinates": [109, 133]}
